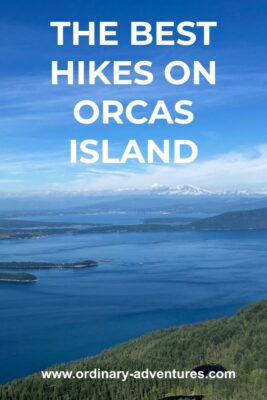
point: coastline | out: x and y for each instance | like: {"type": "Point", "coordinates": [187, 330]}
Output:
{"type": "Point", "coordinates": [164, 350]}
{"type": "Point", "coordinates": [19, 281]}
{"type": "Point", "coordinates": [16, 265]}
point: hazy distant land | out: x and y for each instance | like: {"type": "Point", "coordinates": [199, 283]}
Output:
{"type": "Point", "coordinates": [17, 277]}
{"type": "Point", "coordinates": [46, 265]}
{"type": "Point", "coordinates": [229, 221]}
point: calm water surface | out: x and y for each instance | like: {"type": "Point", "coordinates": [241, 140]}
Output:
{"type": "Point", "coordinates": [146, 281]}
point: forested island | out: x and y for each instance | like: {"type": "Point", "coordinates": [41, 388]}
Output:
{"type": "Point", "coordinates": [46, 265]}
{"type": "Point", "coordinates": [237, 343]}
{"type": "Point", "coordinates": [234, 220]}
{"type": "Point", "coordinates": [17, 277]}
{"type": "Point", "coordinates": [229, 221]}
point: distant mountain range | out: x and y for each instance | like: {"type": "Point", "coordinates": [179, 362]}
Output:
{"type": "Point", "coordinates": [191, 190]}
{"type": "Point", "coordinates": [180, 190]}
{"type": "Point", "coordinates": [46, 199]}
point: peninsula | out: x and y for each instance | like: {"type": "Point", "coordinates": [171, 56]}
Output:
{"type": "Point", "coordinates": [17, 277]}
{"type": "Point", "coordinates": [46, 265]}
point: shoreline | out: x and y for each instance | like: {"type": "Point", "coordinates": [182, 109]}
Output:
{"type": "Point", "coordinates": [19, 281]}
{"type": "Point", "coordinates": [34, 265]}
{"type": "Point", "coordinates": [125, 356]}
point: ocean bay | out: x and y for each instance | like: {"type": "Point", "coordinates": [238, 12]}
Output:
{"type": "Point", "coordinates": [146, 281]}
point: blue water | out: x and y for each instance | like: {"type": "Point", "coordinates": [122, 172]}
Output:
{"type": "Point", "coordinates": [147, 281]}
{"type": "Point", "coordinates": [112, 217]}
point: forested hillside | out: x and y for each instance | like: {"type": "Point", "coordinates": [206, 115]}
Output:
{"type": "Point", "coordinates": [238, 343]}
{"type": "Point", "coordinates": [234, 220]}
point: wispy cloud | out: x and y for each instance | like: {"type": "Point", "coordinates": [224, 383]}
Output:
{"type": "Point", "coordinates": [33, 98]}
{"type": "Point", "coordinates": [235, 170]}
{"type": "Point", "coordinates": [232, 171]}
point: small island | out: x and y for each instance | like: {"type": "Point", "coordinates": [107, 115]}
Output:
{"type": "Point", "coordinates": [46, 265]}
{"type": "Point", "coordinates": [17, 277]}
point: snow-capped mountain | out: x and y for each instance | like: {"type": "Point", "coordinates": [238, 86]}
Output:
{"type": "Point", "coordinates": [244, 192]}
{"type": "Point", "coordinates": [189, 190]}
{"type": "Point", "coordinates": [180, 190]}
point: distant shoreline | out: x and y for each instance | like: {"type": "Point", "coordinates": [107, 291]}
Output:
{"type": "Point", "coordinates": [19, 280]}
{"type": "Point", "coordinates": [244, 220]}
{"type": "Point", "coordinates": [19, 277]}
{"type": "Point", "coordinates": [45, 265]}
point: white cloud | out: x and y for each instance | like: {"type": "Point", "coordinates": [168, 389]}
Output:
{"type": "Point", "coordinates": [232, 171]}
{"type": "Point", "coordinates": [246, 169]}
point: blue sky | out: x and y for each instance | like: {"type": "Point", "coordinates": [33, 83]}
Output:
{"type": "Point", "coordinates": [37, 119]}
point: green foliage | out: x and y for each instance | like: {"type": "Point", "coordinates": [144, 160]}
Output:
{"type": "Point", "coordinates": [237, 343]}
{"type": "Point", "coordinates": [46, 265]}
{"type": "Point", "coordinates": [234, 220]}
{"type": "Point", "coordinates": [17, 277]}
